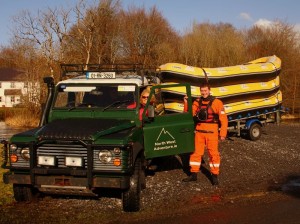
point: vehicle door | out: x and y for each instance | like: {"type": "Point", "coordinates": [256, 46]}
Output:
{"type": "Point", "coordinates": [170, 129]}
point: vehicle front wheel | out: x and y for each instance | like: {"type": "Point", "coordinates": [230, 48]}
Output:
{"type": "Point", "coordinates": [254, 132]}
{"type": "Point", "coordinates": [23, 192]}
{"type": "Point", "coordinates": [131, 197]}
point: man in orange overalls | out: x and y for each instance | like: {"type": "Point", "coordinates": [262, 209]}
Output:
{"type": "Point", "coordinates": [208, 113]}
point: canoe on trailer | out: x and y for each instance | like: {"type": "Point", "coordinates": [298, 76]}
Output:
{"type": "Point", "coordinates": [240, 109]}
{"type": "Point", "coordinates": [251, 108]}
{"type": "Point", "coordinates": [259, 70]}
{"type": "Point", "coordinates": [232, 93]}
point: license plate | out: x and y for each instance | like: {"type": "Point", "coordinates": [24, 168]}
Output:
{"type": "Point", "coordinates": [101, 75]}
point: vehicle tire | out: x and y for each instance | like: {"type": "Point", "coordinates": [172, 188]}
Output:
{"type": "Point", "coordinates": [143, 176]}
{"type": "Point", "coordinates": [254, 132]}
{"type": "Point", "coordinates": [131, 196]}
{"type": "Point", "coordinates": [23, 192]}
{"type": "Point", "coordinates": [143, 180]}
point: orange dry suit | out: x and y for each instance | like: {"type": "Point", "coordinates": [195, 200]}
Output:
{"type": "Point", "coordinates": [208, 114]}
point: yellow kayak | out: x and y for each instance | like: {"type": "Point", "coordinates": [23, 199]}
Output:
{"type": "Point", "coordinates": [247, 105]}
{"type": "Point", "coordinates": [249, 90]}
{"type": "Point", "coordinates": [241, 109]}
{"type": "Point", "coordinates": [262, 69]}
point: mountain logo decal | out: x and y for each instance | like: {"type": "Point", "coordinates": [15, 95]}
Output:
{"type": "Point", "coordinates": [165, 140]}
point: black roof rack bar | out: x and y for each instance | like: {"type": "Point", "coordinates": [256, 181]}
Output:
{"type": "Point", "coordinates": [82, 68]}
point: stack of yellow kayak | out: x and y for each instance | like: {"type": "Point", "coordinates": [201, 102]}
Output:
{"type": "Point", "coordinates": [244, 89]}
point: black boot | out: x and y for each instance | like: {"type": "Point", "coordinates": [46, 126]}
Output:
{"type": "Point", "coordinates": [192, 177]}
{"type": "Point", "coordinates": [214, 179]}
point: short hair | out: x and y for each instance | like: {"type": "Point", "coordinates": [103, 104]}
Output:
{"type": "Point", "coordinates": [204, 84]}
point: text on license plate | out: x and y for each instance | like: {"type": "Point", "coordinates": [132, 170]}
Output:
{"type": "Point", "coordinates": [101, 75]}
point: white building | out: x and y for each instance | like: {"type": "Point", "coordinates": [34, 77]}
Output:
{"type": "Point", "coordinates": [12, 88]}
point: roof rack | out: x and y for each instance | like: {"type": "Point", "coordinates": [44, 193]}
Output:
{"type": "Point", "coordinates": [83, 68]}
{"type": "Point", "coordinates": [75, 70]}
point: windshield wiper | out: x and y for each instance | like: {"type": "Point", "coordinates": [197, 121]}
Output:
{"type": "Point", "coordinates": [115, 103]}
{"type": "Point", "coordinates": [72, 108]}
{"type": "Point", "coordinates": [71, 105]}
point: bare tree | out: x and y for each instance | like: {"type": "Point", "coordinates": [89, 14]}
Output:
{"type": "Point", "coordinates": [46, 32]}
{"type": "Point", "coordinates": [95, 37]}
{"type": "Point", "coordinates": [145, 34]}
{"type": "Point", "coordinates": [282, 40]}
{"type": "Point", "coordinates": [108, 38]}
{"type": "Point", "coordinates": [84, 31]}
{"type": "Point", "coordinates": [39, 48]}
{"type": "Point", "coordinates": [212, 45]}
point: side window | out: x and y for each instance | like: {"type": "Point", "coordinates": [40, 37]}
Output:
{"type": "Point", "coordinates": [169, 100]}
{"type": "Point", "coordinates": [68, 99]}
{"type": "Point", "coordinates": [159, 103]}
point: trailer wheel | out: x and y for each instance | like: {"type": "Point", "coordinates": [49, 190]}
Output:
{"type": "Point", "coordinates": [131, 197]}
{"type": "Point", "coordinates": [254, 132]}
{"type": "Point", "coordinates": [23, 192]}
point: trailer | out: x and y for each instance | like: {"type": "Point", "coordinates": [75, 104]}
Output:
{"type": "Point", "coordinates": [250, 125]}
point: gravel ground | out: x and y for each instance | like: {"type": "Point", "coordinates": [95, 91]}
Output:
{"type": "Point", "coordinates": [249, 170]}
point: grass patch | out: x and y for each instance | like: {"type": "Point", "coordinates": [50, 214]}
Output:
{"type": "Point", "coordinates": [22, 121]}
{"type": "Point", "coordinates": [20, 116]}
{"type": "Point", "coordinates": [23, 118]}
{"type": "Point", "coordinates": [6, 191]}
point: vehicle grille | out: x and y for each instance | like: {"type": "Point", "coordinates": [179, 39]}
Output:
{"type": "Point", "coordinates": [61, 151]}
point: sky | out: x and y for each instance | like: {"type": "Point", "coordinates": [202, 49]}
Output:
{"type": "Point", "coordinates": [181, 14]}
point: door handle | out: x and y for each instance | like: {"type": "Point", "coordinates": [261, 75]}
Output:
{"type": "Point", "coordinates": [183, 130]}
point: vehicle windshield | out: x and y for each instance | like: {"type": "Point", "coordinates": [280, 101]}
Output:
{"type": "Point", "coordinates": [96, 96]}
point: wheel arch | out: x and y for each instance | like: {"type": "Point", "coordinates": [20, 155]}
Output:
{"type": "Point", "coordinates": [138, 150]}
{"type": "Point", "coordinates": [252, 121]}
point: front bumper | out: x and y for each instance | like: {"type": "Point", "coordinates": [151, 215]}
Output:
{"type": "Point", "coordinates": [61, 181]}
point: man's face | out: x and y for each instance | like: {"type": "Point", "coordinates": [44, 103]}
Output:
{"type": "Point", "coordinates": [205, 92]}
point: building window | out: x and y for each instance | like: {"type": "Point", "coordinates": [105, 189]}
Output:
{"type": "Point", "coordinates": [12, 85]}
{"type": "Point", "coordinates": [12, 99]}
{"type": "Point", "coordinates": [0, 84]}
{"type": "Point", "coordinates": [0, 98]}
{"type": "Point", "coordinates": [25, 84]}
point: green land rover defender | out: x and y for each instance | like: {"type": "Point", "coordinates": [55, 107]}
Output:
{"type": "Point", "coordinates": [91, 136]}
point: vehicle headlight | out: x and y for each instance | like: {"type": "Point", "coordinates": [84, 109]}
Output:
{"type": "Point", "coordinates": [105, 156]}
{"type": "Point", "coordinates": [117, 150]}
{"type": "Point", "coordinates": [73, 161]}
{"type": "Point", "coordinates": [25, 153]}
{"type": "Point", "coordinates": [13, 147]}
